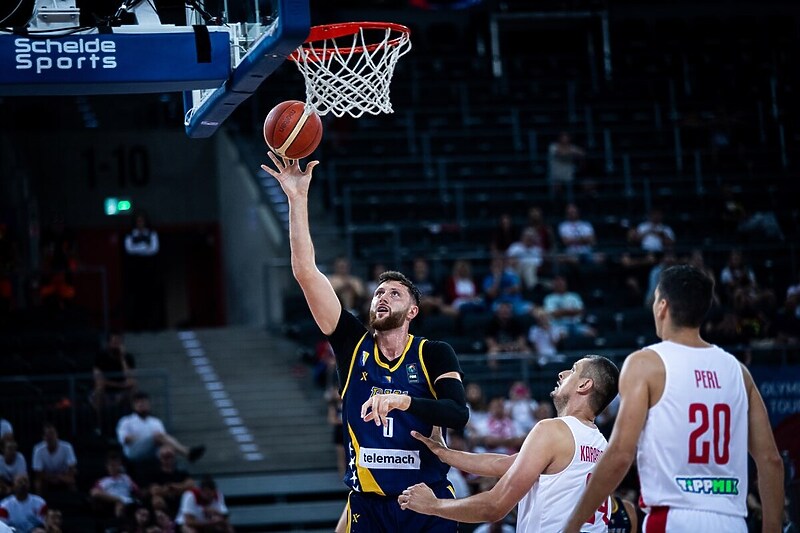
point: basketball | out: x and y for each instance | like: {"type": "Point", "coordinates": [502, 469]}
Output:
{"type": "Point", "coordinates": [290, 132]}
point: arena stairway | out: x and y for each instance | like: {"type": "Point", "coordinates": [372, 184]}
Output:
{"type": "Point", "coordinates": [275, 401]}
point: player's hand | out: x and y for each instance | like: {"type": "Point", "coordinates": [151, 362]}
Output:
{"type": "Point", "coordinates": [379, 405]}
{"type": "Point", "coordinates": [419, 498]}
{"type": "Point", "coordinates": [293, 181]}
{"type": "Point", "coordinates": [435, 442]}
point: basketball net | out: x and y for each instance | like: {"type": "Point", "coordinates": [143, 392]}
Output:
{"type": "Point", "coordinates": [352, 79]}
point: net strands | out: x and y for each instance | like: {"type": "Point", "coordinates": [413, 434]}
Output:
{"type": "Point", "coordinates": [351, 80]}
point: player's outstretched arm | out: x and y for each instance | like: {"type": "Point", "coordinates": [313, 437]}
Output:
{"type": "Point", "coordinates": [480, 464]}
{"type": "Point", "coordinates": [634, 391]}
{"type": "Point", "coordinates": [761, 445]}
{"type": "Point", "coordinates": [538, 451]}
{"type": "Point", "coordinates": [322, 300]}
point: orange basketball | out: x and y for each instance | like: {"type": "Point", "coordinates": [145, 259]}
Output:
{"type": "Point", "coordinates": [291, 132]}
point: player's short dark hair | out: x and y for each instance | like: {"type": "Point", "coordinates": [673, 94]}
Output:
{"type": "Point", "coordinates": [393, 275]}
{"type": "Point", "coordinates": [689, 292]}
{"type": "Point", "coordinates": [141, 395]}
{"type": "Point", "coordinates": [605, 376]}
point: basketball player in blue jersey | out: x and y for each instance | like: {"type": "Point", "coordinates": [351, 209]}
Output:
{"type": "Point", "coordinates": [391, 382]}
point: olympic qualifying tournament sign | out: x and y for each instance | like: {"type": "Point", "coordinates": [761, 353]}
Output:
{"type": "Point", "coordinates": [780, 388]}
{"type": "Point", "coordinates": [126, 60]}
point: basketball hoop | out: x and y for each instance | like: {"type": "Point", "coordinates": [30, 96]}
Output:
{"type": "Point", "coordinates": [348, 67]}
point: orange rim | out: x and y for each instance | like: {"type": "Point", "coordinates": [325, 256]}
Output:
{"type": "Point", "coordinates": [334, 31]}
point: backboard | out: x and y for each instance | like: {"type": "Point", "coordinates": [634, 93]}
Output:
{"type": "Point", "coordinates": [216, 62]}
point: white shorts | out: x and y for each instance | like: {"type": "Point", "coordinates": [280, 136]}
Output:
{"type": "Point", "coordinates": [666, 520]}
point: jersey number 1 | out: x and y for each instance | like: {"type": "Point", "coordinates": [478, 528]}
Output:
{"type": "Point", "coordinates": [699, 445]}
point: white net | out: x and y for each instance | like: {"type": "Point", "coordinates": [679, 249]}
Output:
{"type": "Point", "coordinates": [353, 79]}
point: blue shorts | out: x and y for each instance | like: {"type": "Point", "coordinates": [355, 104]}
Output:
{"type": "Point", "coordinates": [371, 513]}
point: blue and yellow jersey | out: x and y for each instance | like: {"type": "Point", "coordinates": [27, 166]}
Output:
{"type": "Point", "coordinates": [387, 460]}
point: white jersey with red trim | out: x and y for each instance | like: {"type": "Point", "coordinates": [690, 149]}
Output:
{"type": "Point", "coordinates": [548, 505]}
{"type": "Point", "coordinates": [693, 449]}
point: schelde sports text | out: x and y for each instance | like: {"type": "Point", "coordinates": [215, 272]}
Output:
{"type": "Point", "coordinates": [48, 54]}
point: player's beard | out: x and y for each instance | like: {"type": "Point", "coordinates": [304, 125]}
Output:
{"type": "Point", "coordinates": [393, 320]}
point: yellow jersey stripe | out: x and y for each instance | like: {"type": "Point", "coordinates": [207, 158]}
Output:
{"type": "Point", "coordinates": [425, 370]}
{"type": "Point", "coordinates": [352, 364]}
{"type": "Point", "coordinates": [368, 483]}
{"type": "Point", "coordinates": [399, 359]}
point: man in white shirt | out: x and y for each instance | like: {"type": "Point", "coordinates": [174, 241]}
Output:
{"type": "Point", "coordinates": [550, 471]}
{"type": "Point", "coordinates": [529, 254]}
{"type": "Point", "coordinates": [54, 462]}
{"type": "Point", "coordinates": [141, 434]}
{"type": "Point", "coordinates": [203, 509]}
{"type": "Point", "coordinates": [565, 309]}
{"type": "Point", "coordinates": [12, 464]}
{"type": "Point", "coordinates": [652, 234]}
{"type": "Point", "coordinates": [23, 511]}
{"type": "Point", "coordinates": [577, 235]}
{"type": "Point", "coordinates": [116, 490]}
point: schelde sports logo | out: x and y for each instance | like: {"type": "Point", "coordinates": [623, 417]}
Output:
{"type": "Point", "coordinates": [723, 486]}
{"type": "Point", "coordinates": [48, 55]}
{"type": "Point", "coordinates": [386, 459]}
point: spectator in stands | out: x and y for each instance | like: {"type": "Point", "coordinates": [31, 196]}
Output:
{"type": "Point", "coordinates": [697, 260]}
{"type": "Point", "coordinates": [114, 381]}
{"type": "Point", "coordinates": [503, 285]}
{"type": "Point", "coordinates": [203, 510]}
{"type": "Point", "coordinates": [537, 222]}
{"type": "Point", "coordinates": [461, 293]}
{"type": "Point", "coordinates": [577, 236]}
{"type": "Point", "coordinates": [529, 254]}
{"type": "Point", "coordinates": [143, 286]}
{"type": "Point", "coordinates": [545, 337]}
{"type": "Point", "coordinates": [503, 235]}
{"type": "Point", "coordinates": [735, 275]}
{"type": "Point", "coordinates": [52, 521]}
{"type": "Point", "coordinates": [498, 433]}
{"type": "Point", "coordinates": [504, 334]}
{"type": "Point", "coordinates": [6, 432]}
{"type": "Point", "coordinates": [59, 264]}
{"type": "Point", "coordinates": [23, 511]}
{"type": "Point", "coordinates": [164, 522]}
{"type": "Point", "coordinates": [54, 463]}
{"type": "Point", "coordinates": [167, 482]}
{"type": "Point", "coordinates": [12, 465]}
{"type": "Point", "coordinates": [476, 403]}
{"type": "Point", "coordinates": [334, 400]}
{"type": "Point", "coordinates": [730, 211]}
{"type": "Point", "coordinates": [666, 260]}
{"type": "Point", "coordinates": [348, 287]}
{"type": "Point", "coordinates": [141, 434]}
{"type": "Point", "coordinates": [115, 491]}
{"type": "Point", "coordinates": [563, 159]}
{"type": "Point", "coordinates": [141, 520]}
{"type": "Point", "coordinates": [565, 309]}
{"type": "Point", "coordinates": [431, 300]}
{"type": "Point", "coordinates": [521, 407]}
{"type": "Point", "coordinates": [787, 320]}
{"type": "Point", "coordinates": [652, 234]}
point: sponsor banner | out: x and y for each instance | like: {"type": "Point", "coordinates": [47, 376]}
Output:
{"type": "Point", "coordinates": [387, 459]}
{"type": "Point", "coordinates": [120, 62]}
